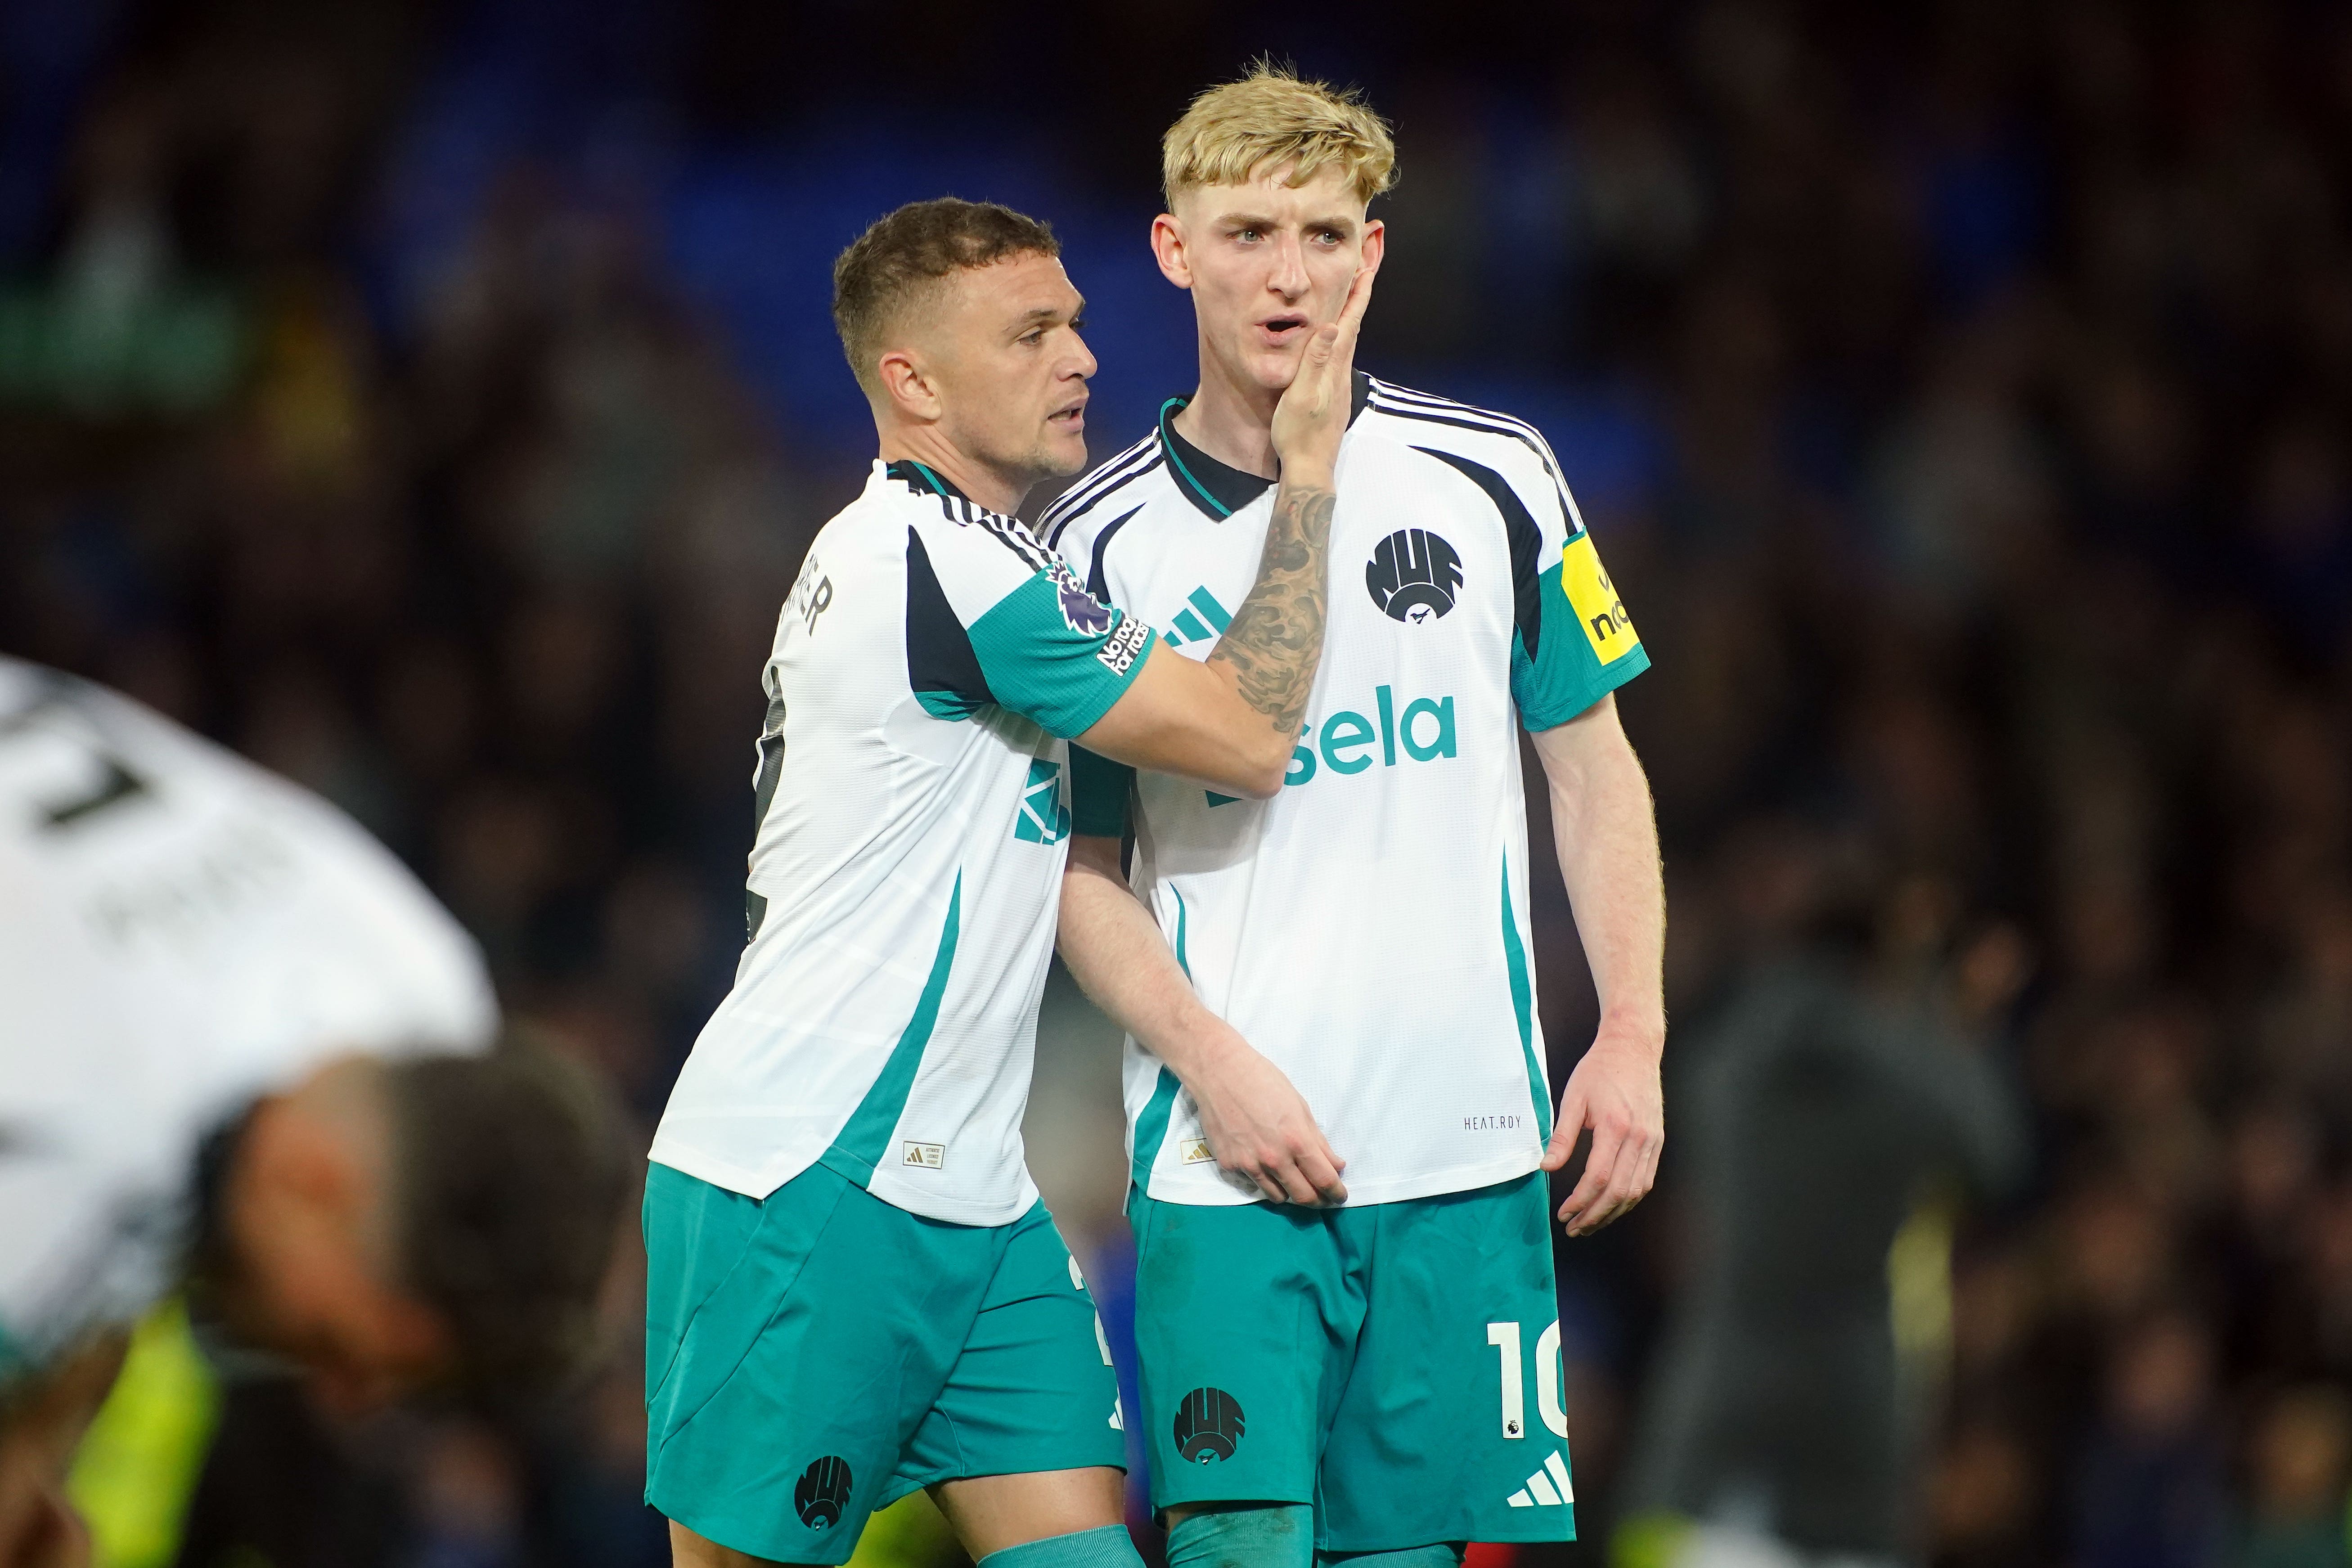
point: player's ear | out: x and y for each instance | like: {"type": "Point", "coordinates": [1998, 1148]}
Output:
{"type": "Point", "coordinates": [1167, 249]}
{"type": "Point", "coordinates": [907, 387]}
{"type": "Point", "coordinates": [1376, 242]}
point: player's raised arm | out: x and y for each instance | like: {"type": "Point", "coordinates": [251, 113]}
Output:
{"type": "Point", "coordinates": [1233, 720]}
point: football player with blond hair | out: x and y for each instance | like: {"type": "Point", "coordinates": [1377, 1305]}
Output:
{"type": "Point", "coordinates": [1338, 978]}
{"type": "Point", "coordinates": [853, 1291]}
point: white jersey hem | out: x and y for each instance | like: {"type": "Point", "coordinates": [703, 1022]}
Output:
{"type": "Point", "coordinates": [1211, 1189]}
{"type": "Point", "coordinates": [760, 1187]}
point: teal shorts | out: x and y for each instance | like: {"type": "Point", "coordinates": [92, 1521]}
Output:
{"type": "Point", "coordinates": [816, 1355]}
{"type": "Point", "coordinates": [1396, 1366]}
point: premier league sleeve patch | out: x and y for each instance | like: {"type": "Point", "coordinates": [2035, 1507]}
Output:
{"type": "Point", "coordinates": [1053, 652]}
{"type": "Point", "coordinates": [1081, 611]}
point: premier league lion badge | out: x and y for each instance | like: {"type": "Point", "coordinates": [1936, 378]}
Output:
{"type": "Point", "coordinates": [1083, 612]}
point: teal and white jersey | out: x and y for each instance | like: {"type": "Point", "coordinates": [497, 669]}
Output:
{"type": "Point", "coordinates": [181, 932]}
{"type": "Point", "coordinates": [913, 816]}
{"type": "Point", "coordinates": [1367, 929]}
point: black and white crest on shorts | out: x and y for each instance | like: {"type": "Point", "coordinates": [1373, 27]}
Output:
{"type": "Point", "coordinates": [1413, 576]}
{"type": "Point", "coordinates": [822, 1492]}
{"type": "Point", "coordinates": [1208, 1425]}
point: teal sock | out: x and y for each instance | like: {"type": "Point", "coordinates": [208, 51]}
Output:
{"type": "Point", "coordinates": [1445, 1554]}
{"type": "Point", "coordinates": [1104, 1546]}
{"type": "Point", "coordinates": [1257, 1535]}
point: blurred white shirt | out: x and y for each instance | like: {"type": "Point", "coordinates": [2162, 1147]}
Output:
{"type": "Point", "coordinates": [181, 933]}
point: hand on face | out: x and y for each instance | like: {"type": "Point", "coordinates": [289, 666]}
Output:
{"type": "Point", "coordinates": [1313, 413]}
{"type": "Point", "coordinates": [1268, 264]}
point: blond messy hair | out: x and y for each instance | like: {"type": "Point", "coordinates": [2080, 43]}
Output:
{"type": "Point", "coordinates": [1235, 133]}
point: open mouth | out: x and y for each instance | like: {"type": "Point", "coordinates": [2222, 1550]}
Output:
{"type": "Point", "coordinates": [1070, 415]}
{"type": "Point", "coordinates": [1281, 330]}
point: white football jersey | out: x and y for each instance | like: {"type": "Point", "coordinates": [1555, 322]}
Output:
{"type": "Point", "coordinates": [181, 932]}
{"type": "Point", "coordinates": [912, 818]}
{"type": "Point", "coordinates": [1367, 929]}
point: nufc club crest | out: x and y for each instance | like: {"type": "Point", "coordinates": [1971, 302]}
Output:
{"type": "Point", "coordinates": [1208, 1425]}
{"type": "Point", "coordinates": [823, 1493]}
{"type": "Point", "coordinates": [1413, 576]}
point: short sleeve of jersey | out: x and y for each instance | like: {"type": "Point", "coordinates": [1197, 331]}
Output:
{"type": "Point", "coordinates": [1574, 643]}
{"type": "Point", "coordinates": [1101, 790]}
{"type": "Point", "coordinates": [993, 616]}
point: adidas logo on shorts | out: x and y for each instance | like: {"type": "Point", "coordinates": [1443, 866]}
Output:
{"type": "Point", "coordinates": [1548, 1487]}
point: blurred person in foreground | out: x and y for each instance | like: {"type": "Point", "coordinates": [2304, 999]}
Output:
{"type": "Point", "coordinates": [1340, 974]}
{"type": "Point", "coordinates": [1829, 1097]}
{"type": "Point", "coordinates": [854, 1290]}
{"type": "Point", "coordinates": [242, 1049]}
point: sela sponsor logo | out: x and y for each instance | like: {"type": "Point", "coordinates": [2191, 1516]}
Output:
{"type": "Point", "coordinates": [1208, 1425]}
{"type": "Point", "coordinates": [1123, 647]}
{"type": "Point", "coordinates": [1081, 611]}
{"type": "Point", "coordinates": [1196, 1152]}
{"type": "Point", "coordinates": [822, 1492]}
{"type": "Point", "coordinates": [926, 1156]}
{"type": "Point", "coordinates": [1344, 742]}
{"type": "Point", "coordinates": [1510, 1123]}
{"type": "Point", "coordinates": [1413, 576]}
{"type": "Point", "coordinates": [1044, 816]}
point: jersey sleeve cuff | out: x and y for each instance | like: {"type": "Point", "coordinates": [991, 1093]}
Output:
{"type": "Point", "coordinates": [1122, 657]}
{"type": "Point", "coordinates": [1551, 714]}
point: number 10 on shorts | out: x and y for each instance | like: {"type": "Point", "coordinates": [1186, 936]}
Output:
{"type": "Point", "coordinates": [1512, 1370]}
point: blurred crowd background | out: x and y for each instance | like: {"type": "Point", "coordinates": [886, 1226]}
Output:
{"type": "Point", "coordinates": [434, 402]}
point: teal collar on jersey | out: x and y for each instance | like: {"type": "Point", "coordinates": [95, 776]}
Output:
{"type": "Point", "coordinates": [1219, 489]}
{"type": "Point", "coordinates": [922, 478]}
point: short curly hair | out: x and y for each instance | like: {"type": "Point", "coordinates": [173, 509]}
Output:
{"type": "Point", "coordinates": [1235, 132]}
{"type": "Point", "coordinates": [900, 261]}
{"type": "Point", "coordinates": [512, 1169]}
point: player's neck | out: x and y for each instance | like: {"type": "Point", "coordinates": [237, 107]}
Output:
{"type": "Point", "coordinates": [923, 444]}
{"type": "Point", "coordinates": [1232, 422]}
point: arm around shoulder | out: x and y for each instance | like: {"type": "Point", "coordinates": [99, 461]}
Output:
{"type": "Point", "coordinates": [1190, 720]}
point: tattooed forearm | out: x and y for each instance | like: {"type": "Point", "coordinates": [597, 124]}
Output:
{"type": "Point", "coordinates": [1275, 639]}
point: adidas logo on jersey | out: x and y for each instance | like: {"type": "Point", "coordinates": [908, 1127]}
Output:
{"type": "Point", "coordinates": [926, 1156]}
{"type": "Point", "coordinates": [1206, 619]}
{"type": "Point", "coordinates": [1413, 576]}
{"type": "Point", "coordinates": [1548, 1487]}
{"type": "Point", "coordinates": [1045, 816]}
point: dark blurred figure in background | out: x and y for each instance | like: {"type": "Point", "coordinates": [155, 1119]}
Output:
{"type": "Point", "coordinates": [1832, 1097]}
{"type": "Point", "coordinates": [435, 402]}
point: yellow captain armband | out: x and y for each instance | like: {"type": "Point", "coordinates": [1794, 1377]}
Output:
{"type": "Point", "coordinates": [136, 1470]}
{"type": "Point", "coordinates": [1594, 599]}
